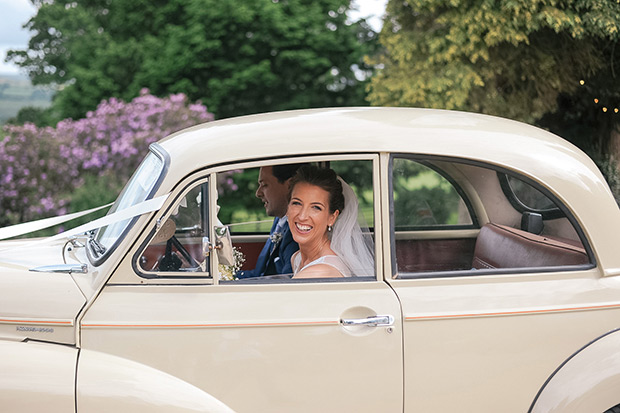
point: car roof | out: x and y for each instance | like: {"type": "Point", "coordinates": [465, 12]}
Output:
{"type": "Point", "coordinates": [368, 129]}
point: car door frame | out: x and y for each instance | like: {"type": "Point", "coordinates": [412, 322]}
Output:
{"type": "Point", "coordinates": [134, 317]}
{"type": "Point", "coordinates": [460, 328]}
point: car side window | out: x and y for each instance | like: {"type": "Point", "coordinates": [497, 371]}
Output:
{"type": "Point", "coordinates": [423, 198]}
{"type": "Point", "coordinates": [457, 217]}
{"type": "Point", "coordinates": [247, 205]}
{"type": "Point", "coordinates": [525, 198]}
{"type": "Point", "coordinates": [239, 208]}
{"type": "Point", "coordinates": [177, 246]}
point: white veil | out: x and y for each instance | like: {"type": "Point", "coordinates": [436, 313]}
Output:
{"type": "Point", "coordinates": [353, 246]}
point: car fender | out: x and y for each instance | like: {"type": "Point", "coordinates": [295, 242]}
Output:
{"type": "Point", "coordinates": [37, 377]}
{"type": "Point", "coordinates": [588, 382]}
{"type": "Point", "coordinates": [110, 383]}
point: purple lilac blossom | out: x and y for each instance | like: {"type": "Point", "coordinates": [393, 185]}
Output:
{"type": "Point", "coordinates": [40, 167]}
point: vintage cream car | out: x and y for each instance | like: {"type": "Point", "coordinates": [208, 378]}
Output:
{"type": "Point", "coordinates": [496, 285]}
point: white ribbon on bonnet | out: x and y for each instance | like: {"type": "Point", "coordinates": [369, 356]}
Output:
{"type": "Point", "coordinates": [118, 216]}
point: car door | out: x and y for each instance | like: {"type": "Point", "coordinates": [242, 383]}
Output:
{"type": "Point", "coordinates": [484, 339]}
{"type": "Point", "coordinates": [259, 345]}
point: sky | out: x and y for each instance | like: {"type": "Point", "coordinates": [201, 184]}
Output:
{"type": "Point", "coordinates": [15, 13]}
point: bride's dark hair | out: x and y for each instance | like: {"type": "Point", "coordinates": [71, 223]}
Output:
{"type": "Point", "coordinates": [324, 178]}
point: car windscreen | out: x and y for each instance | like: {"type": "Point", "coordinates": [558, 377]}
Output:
{"type": "Point", "coordinates": [140, 187]}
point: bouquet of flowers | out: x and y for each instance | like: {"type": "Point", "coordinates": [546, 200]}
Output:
{"type": "Point", "coordinates": [227, 272]}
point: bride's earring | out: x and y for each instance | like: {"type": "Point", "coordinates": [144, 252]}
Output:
{"type": "Point", "coordinates": [329, 228]}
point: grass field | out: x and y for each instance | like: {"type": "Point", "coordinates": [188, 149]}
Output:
{"type": "Point", "coordinates": [16, 92]}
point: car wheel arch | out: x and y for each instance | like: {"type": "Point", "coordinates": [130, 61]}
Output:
{"type": "Point", "coordinates": [587, 381]}
{"type": "Point", "coordinates": [36, 376]}
{"type": "Point", "coordinates": [120, 384]}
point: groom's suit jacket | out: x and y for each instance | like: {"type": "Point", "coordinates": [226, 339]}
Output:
{"type": "Point", "coordinates": [274, 260]}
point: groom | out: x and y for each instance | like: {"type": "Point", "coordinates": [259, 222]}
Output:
{"type": "Point", "coordinates": [273, 188]}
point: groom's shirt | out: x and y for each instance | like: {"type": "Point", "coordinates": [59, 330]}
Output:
{"type": "Point", "coordinates": [275, 257]}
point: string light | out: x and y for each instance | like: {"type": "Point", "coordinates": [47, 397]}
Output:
{"type": "Point", "coordinates": [616, 110]}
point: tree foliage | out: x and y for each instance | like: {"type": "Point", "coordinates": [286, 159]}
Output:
{"type": "Point", "coordinates": [237, 56]}
{"type": "Point", "coordinates": [511, 58]}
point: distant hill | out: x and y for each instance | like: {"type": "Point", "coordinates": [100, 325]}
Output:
{"type": "Point", "coordinates": [16, 92]}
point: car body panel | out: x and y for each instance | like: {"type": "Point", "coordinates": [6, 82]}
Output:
{"type": "Point", "coordinates": [37, 377]}
{"type": "Point", "coordinates": [485, 338]}
{"type": "Point", "coordinates": [38, 305]}
{"type": "Point", "coordinates": [587, 382]}
{"type": "Point", "coordinates": [271, 344]}
{"type": "Point", "coordinates": [109, 383]}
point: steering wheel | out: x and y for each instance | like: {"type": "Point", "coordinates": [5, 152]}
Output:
{"type": "Point", "coordinates": [171, 261]}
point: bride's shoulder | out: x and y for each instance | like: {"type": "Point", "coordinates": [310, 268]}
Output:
{"type": "Point", "coordinates": [338, 263]}
{"type": "Point", "coordinates": [319, 270]}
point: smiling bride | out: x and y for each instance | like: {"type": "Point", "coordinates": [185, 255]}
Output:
{"type": "Point", "coordinates": [323, 217]}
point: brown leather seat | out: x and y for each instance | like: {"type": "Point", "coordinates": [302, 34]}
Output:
{"type": "Point", "coordinates": [499, 246]}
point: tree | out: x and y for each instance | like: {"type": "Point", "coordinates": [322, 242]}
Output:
{"type": "Point", "coordinates": [590, 116]}
{"type": "Point", "coordinates": [237, 56]}
{"type": "Point", "coordinates": [548, 62]}
{"type": "Point", "coordinates": [32, 114]}
{"type": "Point", "coordinates": [511, 58]}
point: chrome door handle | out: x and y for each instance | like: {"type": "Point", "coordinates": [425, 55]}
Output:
{"type": "Point", "coordinates": [374, 321]}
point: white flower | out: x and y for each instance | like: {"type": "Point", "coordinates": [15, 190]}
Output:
{"type": "Point", "coordinates": [227, 272]}
{"type": "Point", "coordinates": [275, 238]}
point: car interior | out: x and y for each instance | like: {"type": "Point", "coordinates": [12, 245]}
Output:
{"type": "Point", "coordinates": [504, 224]}
{"type": "Point", "coordinates": [448, 217]}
